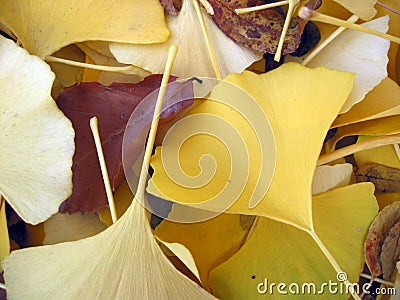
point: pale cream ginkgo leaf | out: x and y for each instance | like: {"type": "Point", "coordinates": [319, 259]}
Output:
{"type": "Point", "coordinates": [330, 177]}
{"type": "Point", "coordinates": [37, 142]}
{"type": "Point", "coordinates": [363, 8]}
{"type": "Point", "coordinates": [193, 58]}
{"type": "Point", "coordinates": [122, 262]}
{"type": "Point", "coordinates": [360, 53]}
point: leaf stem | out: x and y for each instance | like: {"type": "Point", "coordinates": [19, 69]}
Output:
{"type": "Point", "coordinates": [125, 69]}
{"type": "Point", "coordinates": [207, 6]}
{"type": "Point", "coordinates": [308, 14]}
{"type": "Point", "coordinates": [246, 10]}
{"type": "Point", "coordinates": [365, 145]}
{"type": "Point", "coordinates": [333, 262]}
{"type": "Point", "coordinates": [328, 40]}
{"type": "Point", "coordinates": [292, 6]}
{"type": "Point", "coordinates": [385, 282]}
{"type": "Point", "coordinates": [207, 38]}
{"type": "Point", "coordinates": [388, 8]}
{"type": "Point", "coordinates": [94, 126]}
{"type": "Point", "coordinates": [139, 195]}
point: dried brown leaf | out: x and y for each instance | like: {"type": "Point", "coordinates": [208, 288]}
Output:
{"type": "Point", "coordinates": [258, 30]}
{"type": "Point", "coordinates": [386, 179]}
{"type": "Point", "coordinates": [390, 251]}
{"type": "Point", "coordinates": [378, 231]}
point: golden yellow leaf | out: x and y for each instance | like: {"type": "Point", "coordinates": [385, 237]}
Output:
{"type": "Point", "coordinates": [71, 227]}
{"type": "Point", "coordinates": [43, 27]}
{"type": "Point", "coordinates": [210, 242]}
{"type": "Point", "coordinates": [282, 94]}
{"type": "Point", "coordinates": [4, 239]}
{"type": "Point", "coordinates": [382, 101]}
{"type": "Point", "coordinates": [38, 140]}
{"type": "Point", "coordinates": [277, 252]}
{"type": "Point", "coordinates": [385, 155]}
{"type": "Point", "coordinates": [376, 127]}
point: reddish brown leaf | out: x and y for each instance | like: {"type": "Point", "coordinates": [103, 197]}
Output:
{"type": "Point", "coordinates": [378, 231]}
{"type": "Point", "coordinates": [390, 251]}
{"type": "Point", "coordinates": [258, 30]}
{"type": "Point", "coordinates": [172, 6]}
{"type": "Point", "coordinates": [113, 105]}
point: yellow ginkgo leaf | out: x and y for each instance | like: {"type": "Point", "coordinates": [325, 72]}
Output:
{"type": "Point", "coordinates": [361, 53]}
{"type": "Point", "coordinates": [43, 27]}
{"type": "Point", "coordinates": [210, 242]}
{"type": "Point", "coordinates": [4, 239]}
{"type": "Point", "coordinates": [37, 139]}
{"type": "Point", "coordinates": [385, 155]}
{"type": "Point", "coordinates": [300, 104]}
{"type": "Point", "coordinates": [127, 250]}
{"type": "Point", "coordinates": [193, 57]}
{"type": "Point", "coordinates": [66, 228]}
{"type": "Point", "coordinates": [381, 126]}
{"type": "Point", "coordinates": [278, 253]}
{"type": "Point", "coordinates": [382, 101]}
{"type": "Point", "coordinates": [330, 177]}
{"type": "Point", "coordinates": [365, 9]}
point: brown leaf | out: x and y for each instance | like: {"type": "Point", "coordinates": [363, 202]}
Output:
{"type": "Point", "coordinates": [113, 105]}
{"type": "Point", "coordinates": [390, 251]}
{"type": "Point", "coordinates": [172, 6]}
{"type": "Point", "coordinates": [258, 30]}
{"type": "Point", "coordinates": [378, 231]}
{"type": "Point", "coordinates": [385, 179]}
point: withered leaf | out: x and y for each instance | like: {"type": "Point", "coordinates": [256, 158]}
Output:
{"type": "Point", "coordinates": [386, 179]}
{"type": "Point", "coordinates": [246, 221]}
{"type": "Point", "coordinates": [377, 233]}
{"type": "Point", "coordinates": [258, 30]}
{"type": "Point", "coordinates": [390, 251]}
{"type": "Point", "coordinates": [113, 105]}
{"type": "Point", "coordinates": [172, 6]}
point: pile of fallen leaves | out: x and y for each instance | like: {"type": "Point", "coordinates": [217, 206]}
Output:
{"type": "Point", "coordinates": [276, 165]}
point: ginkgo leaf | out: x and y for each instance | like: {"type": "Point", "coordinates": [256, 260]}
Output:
{"type": "Point", "coordinates": [38, 140]}
{"type": "Point", "coordinates": [210, 242]}
{"type": "Point", "coordinates": [113, 105]}
{"type": "Point", "coordinates": [394, 29]}
{"type": "Point", "coordinates": [381, 126]}
{"type": "Point", "coordinates": [281, 94]}
{"type": "Point", "coordinates": [4, 239]}
{"type": "Point", "coordinates": [43, 27]}
{"type": "Point", "coordinates": [361, 53]}
{"type": "Point", "coordinates": [384, 155]}
{"type": "Point", "coordinates": [363, 8]}
{"type": "Point", "coordinates": [329, 177]}
{"type": "Point", "coordinates": [382, 101]}
{"type": "Point", "coordinates": [385, 179]}
{"type": "Point", "coordinates": [280, 253]}
{"type": "Point", "coordinates": [127, 250]}
{"type": "Point", "coordinates": [193, 58]}
{"type": "Point", "coordinates": [71, 227]}
{"type": "Point", "coordinates": [68, 75]}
